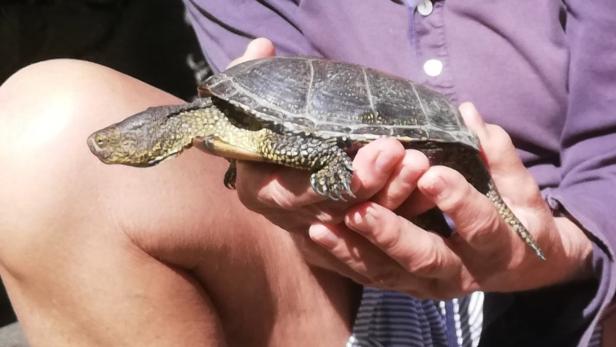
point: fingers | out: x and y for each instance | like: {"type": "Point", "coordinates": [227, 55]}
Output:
{"type": "Point", "coordinates": [417, 251]}
{"type": "Point", "coordinates": [350, 251]}
{"type": "Point", "coordinates": [257, 48]}
{"type": "Point", "coordinates": [374, 164]}
{"type": "Point", "coordinates": [402, 181]}
{"type": "Point", "coordinates": [390, 252]}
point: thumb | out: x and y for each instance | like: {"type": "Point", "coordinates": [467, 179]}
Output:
{"type": "Point", "coordinates": [513, 180]}
{"type": "Point", "coordinates": [257, 48]}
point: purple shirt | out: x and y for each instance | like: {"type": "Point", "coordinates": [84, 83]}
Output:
{"type": "Point", "coordinates": [543, 70]}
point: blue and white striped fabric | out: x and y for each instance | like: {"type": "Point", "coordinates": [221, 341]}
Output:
{"type": "Point", "coordinates": [394, 319]}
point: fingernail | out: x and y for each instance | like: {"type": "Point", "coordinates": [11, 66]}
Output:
{"type": "Point", "coordinates": [323, 236]}
{"type": "Point", "coordinates": [355, 218]}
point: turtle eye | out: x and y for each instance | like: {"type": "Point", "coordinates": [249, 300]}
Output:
{"type": "Point", "coordinates": [100, 140]}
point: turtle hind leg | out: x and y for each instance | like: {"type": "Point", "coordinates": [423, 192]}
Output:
{"type": "Point", "coordinates": [231, 175]}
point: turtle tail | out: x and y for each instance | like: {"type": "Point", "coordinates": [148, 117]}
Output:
{"type": "Point", "coordinates": [514, 223]}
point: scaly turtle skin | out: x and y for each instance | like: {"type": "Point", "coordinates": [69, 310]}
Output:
{"type": "Point", "coordinates": [307, 114]}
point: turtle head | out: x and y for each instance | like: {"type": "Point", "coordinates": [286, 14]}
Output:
{"type": "Point", "coordinates": [140, 140]}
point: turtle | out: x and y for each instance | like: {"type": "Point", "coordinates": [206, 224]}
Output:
{"type": "Point", "coordinates": [310, 114]}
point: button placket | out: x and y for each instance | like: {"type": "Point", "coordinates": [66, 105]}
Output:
{"type": "Point", "coordinates": [425, 8]}
{"type": "Point", "coordinates": [433, 67]}
{"type": "Point", "coordinates": [432, 50]}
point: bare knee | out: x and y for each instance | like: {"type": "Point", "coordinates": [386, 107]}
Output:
{"type": "Point", "coordinates": [51, 181]}
{"type": "Point", "coordinates": [61, 197]}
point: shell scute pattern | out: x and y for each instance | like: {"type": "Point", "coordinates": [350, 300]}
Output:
{"type": "Point", "coordinates": [338, 93]}
{"type": "Point", "coordinates": [438, 110]}
{"type": "Point", "coordinates": [396, 99]}
{"type": "Point", "coordinates": [331, 99]}
{"type": "Point", "coordinates": [281, 87]}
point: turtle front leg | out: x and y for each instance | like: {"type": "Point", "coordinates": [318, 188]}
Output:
{"type": "Point", "coordinates": [331, 166]}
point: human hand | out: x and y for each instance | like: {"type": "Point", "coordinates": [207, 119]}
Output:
{"type": "Point", "coordinates": [483, 254]}
{"type": "Point", "coordinates": [390, 252]}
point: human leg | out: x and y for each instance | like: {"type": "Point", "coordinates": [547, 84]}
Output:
{"type": "Point", "coordinates": [110, 255]}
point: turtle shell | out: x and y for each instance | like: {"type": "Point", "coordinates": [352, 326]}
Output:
{"type": "Point", "coordinates": [333, 99]}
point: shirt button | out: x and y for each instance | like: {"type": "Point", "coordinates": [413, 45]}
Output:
{"type": "Point", "coordinates": [425, 8]}
{"type": "Point", "coordinates": [433, 67]}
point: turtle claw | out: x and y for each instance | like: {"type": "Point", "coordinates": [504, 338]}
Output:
{"type": "Point", "coordinates": [348, 165]}
{"type": "Point", "coordinates": [347, 189]}
{"type": "Point", "coordinates": [318, 188]}
{"type": "Point", "coordinates": [341, 197]}
{"type": "Point", "coordinates": [333, 181]}
{"type": "Point", "coordinates": [335, 195]}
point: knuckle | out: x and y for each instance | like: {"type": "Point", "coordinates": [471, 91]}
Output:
{"type": "Point", "coordinates": [391, 199]}
{"type": "Point", "coordinates": [480, 230]}
{"type": "Point", "coordinates": [389, 235]}
{"type": "Point", "coordinates": [346, 256]}
{"type": "Point", "coordinates": [458, 200]}
{"type": "Point", "coordinates": [427, 263]}
{"type": "Point", "coordinates": [455, 197]}
{"type": "Point", "coordinates": [327, 216]}
{"type": "Point", "coordinates": [266, 197]}
{"type": "Point", "coordinates": [280, 198]}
